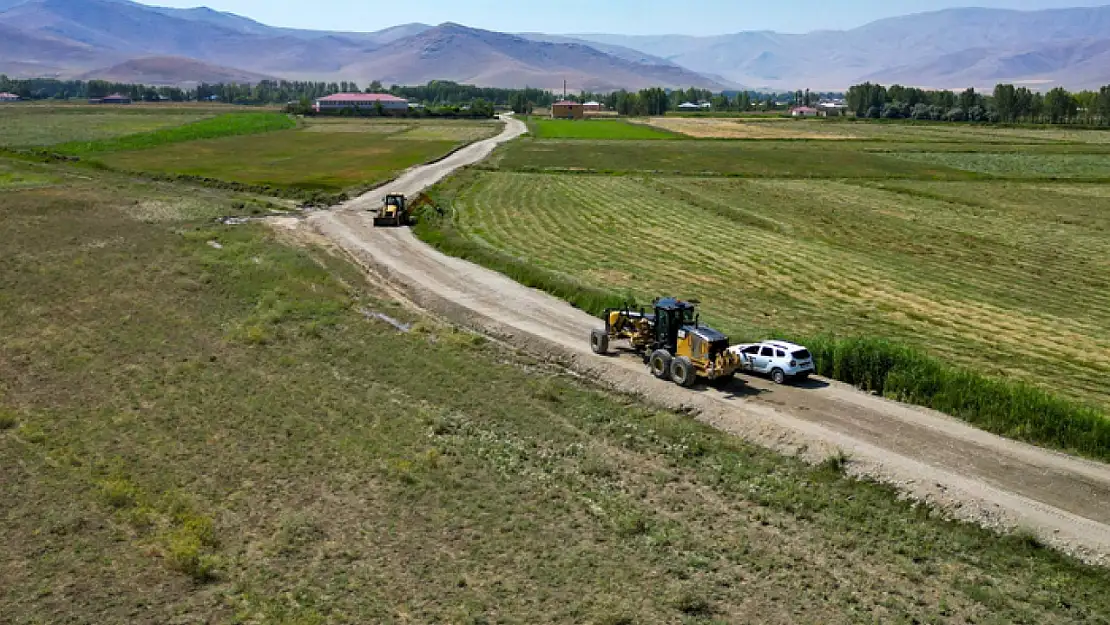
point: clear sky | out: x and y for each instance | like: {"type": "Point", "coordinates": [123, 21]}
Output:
{"type": "Point", "coordinates": [635, 17]}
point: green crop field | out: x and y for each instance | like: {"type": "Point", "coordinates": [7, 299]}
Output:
{"type": "Point", "coordinates": [594, 129]}
{"type": "Point", "coordinates": [331, 156]}
{"type": "Point", "coordinates": [762, 159]}
{"type": "Point", "coordinates": [991, 258]}
{"type": "Point", "coordinates": [40, 126]}
{"type": "Point", "coordinates": [203, 423]}
{"type": "Point", "coordinates": [227, 125]}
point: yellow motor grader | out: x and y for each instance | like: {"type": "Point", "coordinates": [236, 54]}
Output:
{"type": "Point", "coordinates": [672, 341]}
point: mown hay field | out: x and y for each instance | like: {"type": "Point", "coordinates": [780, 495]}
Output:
{"type": "Point", "coordinates": [1008, 277]}
{"type": "Point", "coordinates": [201, 423]}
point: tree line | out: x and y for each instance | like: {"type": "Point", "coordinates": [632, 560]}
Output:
{"type": "Point", "coordinates": [658, 101]}
{"type": "Point", "coordinates": [1006, 104]}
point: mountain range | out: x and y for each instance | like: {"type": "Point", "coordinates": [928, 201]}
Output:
{"type": "Point", "coordinates": [955, 48]}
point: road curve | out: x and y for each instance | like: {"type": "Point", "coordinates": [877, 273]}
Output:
{"type": "Point", "coordinates": [974, 475]}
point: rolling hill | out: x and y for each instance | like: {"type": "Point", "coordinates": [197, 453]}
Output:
{"type": "Point", "coordinates": [482, 57]}
{"type": "Point", "coordinates": [172, 70]}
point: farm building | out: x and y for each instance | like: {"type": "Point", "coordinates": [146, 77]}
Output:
{"type": "Point", "coordinates": [695, 106]}
{"type": "Point", "coordinates": [365, 101]}
{"type": "Point", "coordinates": [8, 97]}
{"type": "Point", "coordinates": [593, 107]}
{"type": "Point", "coordinates": [804, 111]}
{"type": "Point", "coordinates": [115, 98]}
{"type": "Point", "coordinates": [565, 109]}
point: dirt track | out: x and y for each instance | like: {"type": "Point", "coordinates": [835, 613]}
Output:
{"type": "Point", "coordinates": [974, 475]}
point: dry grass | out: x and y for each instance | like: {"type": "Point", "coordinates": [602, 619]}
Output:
{"type": "Point", "coordinates": [216, 434]}
{"type": "Point", "coordinates": [725, 128]}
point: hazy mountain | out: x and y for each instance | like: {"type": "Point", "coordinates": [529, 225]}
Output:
{"type": "Point", "coordinates": [951, 49]}
{"type": "Point", "coordinates": [935, 49]}
{"type": "Point", "coordinates": [172, 70]}
{"type": "Point", "coordinates": [482, 57]}
{"type": "Point", "coordinates": [621, 52]}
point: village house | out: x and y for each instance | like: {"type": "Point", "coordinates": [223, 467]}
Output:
{"type": "Point", "coordinates": [115, 98]}
{"type": "Point", "coordinates": [566, 109]}
{"type": "Point", "coordinates": [9, 97]}
{"type": "Point", "coordinates": [804, 111]}
{"type": "Point", "coordinates": [593, 107]}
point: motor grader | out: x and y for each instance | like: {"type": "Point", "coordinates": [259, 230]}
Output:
{"type": "Point", "coordinates": [671, 339]}
{"type": "Point", "coordinates": [393, 211]}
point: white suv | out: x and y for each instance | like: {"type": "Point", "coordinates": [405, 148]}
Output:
{"type": "Point", "coordinates": [779, 359]}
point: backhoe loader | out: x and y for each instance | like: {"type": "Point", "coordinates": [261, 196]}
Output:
{"type": "Point", "coordinates": [393, 211]}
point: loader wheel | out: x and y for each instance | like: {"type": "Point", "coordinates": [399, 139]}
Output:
{"type": "Point", "coordinates": [682, 372]}
{"type": "Point", "coordinates": [661, 364]}
{"type": "Point", "coordinates": [599, 342]}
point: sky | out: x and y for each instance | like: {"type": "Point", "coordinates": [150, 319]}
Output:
{"type": "Point", "coordinates": [639, 17]}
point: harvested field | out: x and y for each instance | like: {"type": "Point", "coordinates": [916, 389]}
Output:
{"type": "Point", "coordinates": [1009, 282]}
{"type": "Point", "coordinates": [426, 130]}
{"type": "Point", "coordinates": [725, 128]}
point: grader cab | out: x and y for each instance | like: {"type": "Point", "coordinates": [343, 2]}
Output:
{"type": "Point", "coordinates": [672, 340]}
{"type": "Point", "coordinates": [393, 211]}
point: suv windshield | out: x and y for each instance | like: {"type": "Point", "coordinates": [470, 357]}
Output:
{"type": "Point", "coordinates": [801, 354]}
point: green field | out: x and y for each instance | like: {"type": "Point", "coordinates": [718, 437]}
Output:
{"type": "Point", "coordinates": [764, 159]}
{"type": "Point", "coordinates": [594, 129]}
{"type": "Point", "coordinates": [38, 126]}
{"type": "Point", "coordinates": [329, 156]}
{"type": "Point", "coordinates": [226, 125]}
{"type": "Point", "coordinates": [202, 424]}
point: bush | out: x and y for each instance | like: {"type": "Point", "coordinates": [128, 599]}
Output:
{"type": "Point", "coordinates": [1013, 409]}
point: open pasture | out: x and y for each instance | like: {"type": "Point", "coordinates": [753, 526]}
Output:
{"type": "Point", "coordinates": [202, 425]}
{"type": "Point", "coordinates": [316, 158]}
{"type": "Point", "coordinates": [1011, 281]}
{"type": "Point", "coordinates": [41, 126]}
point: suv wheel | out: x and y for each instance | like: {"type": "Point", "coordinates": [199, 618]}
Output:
{"type": "Point", "coordinates": [778, 377]}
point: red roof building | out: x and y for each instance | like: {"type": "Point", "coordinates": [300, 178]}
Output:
{"type": "Point", "coordinates": [341, 101]}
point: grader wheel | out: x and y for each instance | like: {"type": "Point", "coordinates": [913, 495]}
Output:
{"type": "Point", "coordinates": [599, 342]}
{"type": "Point", "coordinates": [660, 363]}
{"type": "Point", "coordinates": [683, 372]}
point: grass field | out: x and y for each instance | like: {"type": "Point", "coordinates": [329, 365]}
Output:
{"type": "Point", "coordinates": [331, 156]}
{"type": "Point", "coordinates": [595, 129]}
{"type": "Point", "coordinates": [24, 127]}
{"type": "Point", "coordinates": [200, 424]}
{"type": "Point", "coordinates": [227, 125]}
{"type": "Point", "coordinates": [771, 159]}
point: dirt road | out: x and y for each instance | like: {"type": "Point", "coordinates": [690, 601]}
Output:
{"type": "Point", "coordinates": [972, 474]}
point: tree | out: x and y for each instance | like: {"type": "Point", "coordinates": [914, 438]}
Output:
{"type": "Point", "coordinates": [1060, 105]}
{"type": "Point", "coordinates": [1103, 105]}
{"type": "Point", "coordinates": [1005, 102]}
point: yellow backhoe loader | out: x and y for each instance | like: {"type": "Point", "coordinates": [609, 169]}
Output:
{"type": "Point", "coordinates": [393, 211]}
{"type": "Point", "coordinates": [672, 341]}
